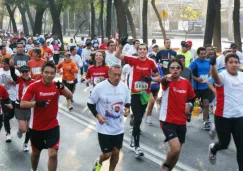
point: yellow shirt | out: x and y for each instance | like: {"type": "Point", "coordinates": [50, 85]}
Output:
{"type": "Point", "coordinates": [188, 57]}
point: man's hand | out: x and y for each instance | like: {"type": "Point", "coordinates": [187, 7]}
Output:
{"type": "Point", "coordinates": [59, 85]}
{"type": "Point", "coordinates": [126, 112]}
{"type": "Point", "coordinates": [11, 62]}
{"type": "Point", "coordinates": [10, 106]}
{"type": "Point", "coordinates": [102, 78]}
{"type": "Point", "coordinates": [123, 40]}
{"type": "Point", "coordinates": [101, 119]}
{"type": "Point", "coordinates": [200, 80]}
{"type": "Point", "coordinates": [213, 60]}
{"type": "Point", "coordinates": [168, 77]}
{"type": "Point", "coordinates": [146, 79]}
{"type": "Point", "coordinates": [42, 103]}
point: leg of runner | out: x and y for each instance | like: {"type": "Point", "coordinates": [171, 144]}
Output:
{"type": "Point", "coordinates": [114, 158]}
{"type": "Point", "coordinates": [52, 162]}
{"type": "Point", "coordinates": [1, 121]}
{"type": "Point", "coordinates": [6, 121]}
{"type": "Point", "coordinates": [35, 157]}
{"type": "Point", "coordinates": [150, 109]}
{"type": "Point", "coordinates": [205, 110]}
{"type": "Point", "coordinates": [22, 128]}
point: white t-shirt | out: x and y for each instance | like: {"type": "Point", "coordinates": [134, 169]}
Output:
{"type": "Point", "coordinates": [70, 45]}
{"type": "Point", "coordinates": [86, 54]}
{"type": "Point", "coordinates": [125, 71]}
{"type": "Point", "coordinates": [11, 88]}
{"type": "Point", "coordinates": [126, 48]}
{"type": "Point", "coordinates": [77, 60]}
{"type": "Point", "coordinates": [220, 61]}
{"type": "Point", "coordinates": [131, 51]}
{"type": "Point", "coordinates": [241, 58]}
{"type": "Point", "coordinates": [110, 59]}
{"type": "Point", "coordinates": [81, 42]}
{"type": "Point", "coordinates": [110, 101]}
{"type": "Point", "coordinates": [230, 96]}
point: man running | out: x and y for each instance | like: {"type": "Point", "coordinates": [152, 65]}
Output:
{"type": "Point", "coordinates": [43, 97]}
{"type": "Point", "coordinates": [176, 90]}
{"type": "Point", "coordinates": [229, 107]}
{"type": "Point", "coordinates": [20, 58]}
{"type": "Point", "coordinates": [107, 102]}
{"type": "Point", "coordinates": [140, 79]}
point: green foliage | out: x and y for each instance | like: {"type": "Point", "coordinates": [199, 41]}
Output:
{"type": "Point", "coordinates": [189, 14]}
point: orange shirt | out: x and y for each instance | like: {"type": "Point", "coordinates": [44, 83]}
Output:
{"type": "Point", "coordinates": [68, 75]}
{"type": "Point", "coordinates": [30, 52]}
{"type": "Point", "coordinates": [35, 68]}
{"type": "Point", "coordinates": [7, 55]}
{"type": "Point", "coordinates": [46, 53]}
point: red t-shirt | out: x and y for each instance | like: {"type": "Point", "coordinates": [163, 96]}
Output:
{"type": "Point", "coordinates": [139, 69]}
{"type": "Point", "coordinates": [95, 72]}
{"type": "Point", "coordinates": [103, 46]}
{"type": "Point", "coordinates": [43, 118]}
{"type": "Point", "coordinates": [22, 86]}
{"type": "Point", "coordinates": [3, 93]}
{"type": "Point", "coordinates": [174, 99]}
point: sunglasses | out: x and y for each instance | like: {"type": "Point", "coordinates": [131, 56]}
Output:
{"type": "Point", "coordinates": [24, 71]}
{"type": "Point", "coordinates": [175, 67]}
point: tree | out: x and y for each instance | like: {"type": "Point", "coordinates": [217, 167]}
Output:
{"type": "Point", "coordinates": [92, 19]}
{"type": "Point", "coordinates": [11, 13]}
{"type": "Point", "coordinates": [236, 23]}
{"type": "Point", "coordinates": [108, 18]}
{"type": "Point", "coordinates": [29, 15]}
{"type": "Point", "coordinates": [145, 23]}
{"type": "Point", "coordinates": [1, 16]}
{"type": "Point", "coordinates": [159, 19]}
{"type": "Point", "coordinates": [121, 18]}
{"type": "Point", "coordinates": [101, 19]}
{"type": "Point", "coordinates": [217, 26]}
{"type": "Point", "coordinates": [22, 10]}
{"type": "Point", "coordinates": [208, 34]}
{"type": "Point", "coordinates": [130, 19]}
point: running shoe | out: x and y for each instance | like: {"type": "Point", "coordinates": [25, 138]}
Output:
{"type": "Point", "coordinates": [70, 107]}
{"type": "Point", "coordinates": [132, 144]}
{"type": "Point", "coordinates": [206, 125]}
{"type": "Point", "coordinates": [148, 120]}
{"type": "Point", "coordinates": [97, 166]}
{"type": "Point", "coordinates": [212, 132]}
{"type": "Point", "coordinates": [138, 151]}
{"type": "Point", "coordinates": [87, 84]}
{"type": "Point", "coordinates": [8, 138]}
{"type": "Point", "coordinates": [211, 156]}
{"type": "Point", "coordinates": [82, 80]}
{"type": "Point", "coordinates": [19, 134]}
{"type": "Point", "coordinates": [25, 147]}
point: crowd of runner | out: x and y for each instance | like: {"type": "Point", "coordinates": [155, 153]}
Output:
{"type": "Point", "coordinates": [122, 75]}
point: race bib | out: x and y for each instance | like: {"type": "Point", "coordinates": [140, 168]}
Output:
{"type": "Point", "coordinates": [165, 64]}
{"type": "Point", "coordinates": [96, 80]}
{"type": "Point", "coordinates": [20, 63]}
{"type": "Point", "coordinates": [36, 70]}
{"type": "Point", "coordinates": [45, 54]}
{"type": "Point", "coordinates": [204, 77]}
{"type": "Point", "coordinates": [70, 82]}
{"type": "Point", "coordinates": [96, 45]}
{"type": "Point", "coordinates": [140, 86]}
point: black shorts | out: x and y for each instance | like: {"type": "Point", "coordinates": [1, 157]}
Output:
{"type": "Point", "coordinates": [45, 139]}
{"type": "Point", "coordinates": [108, 142]}
{"type": "Point", "coordinates": [70, 86]}
{"type": "Point", "coordinates": [155, 92]}
{"type": "Point", "coordinates": [205, 94]}
{"type": "Point", "coordinates": [172, 131]}
{"type": "Point", "coordinates": [81, 70]}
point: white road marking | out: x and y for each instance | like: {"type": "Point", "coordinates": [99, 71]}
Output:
{"type": "Point", "coordinates": [91, 124]}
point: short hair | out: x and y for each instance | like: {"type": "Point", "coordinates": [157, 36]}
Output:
{"type": "Point", "coordinates": [72, 48]}
{"type": "Point", "coordinates": [153, 40]}
{"type": "Point", "coordinates": [165, 40]}
{"type": "Point", "coordinates": [48, 64]}
{"type": "Point", "coordinates": [20, 43]}
{"type": "Point", "coordinates": [231, 55]}
{"type": "Point", "coordinates": [180, 57]}
{"type": "Point", "coordinates": [144, 44]}
{"type": "Point", "coordinates": [175, 60]}
{"type": "Point", "coordinates": [2, 46]}
{"type": "Point", "coordinates": [37, 50]}
{"type": "Point", "coordinates": [103, 54]}
{"type": "Point", "coordinates": [43, 42]}
{"type": "Point", "coordinates": [109, 42]}
{"type": "Point", "coordinates": [117, 66]}
{"type": "Point", "coordinates": [134, 42]}
{"type": "Point", "coordinates": [200, 49]}
{"type": "Point", "coordinates": [208, 45]}
{"type": "Point", "coordinates": [88, 44]}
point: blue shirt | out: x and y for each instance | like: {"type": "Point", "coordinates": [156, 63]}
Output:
{"type": "Point", "coordinates": [200, 68]}
{"type": "Point", "coordinates": [156, 85]}
{"type": "Point", "coordinates": [79, 52]}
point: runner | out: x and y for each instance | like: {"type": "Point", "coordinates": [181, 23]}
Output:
{"type": "Point", "coordinates": [107, 102]}
{"type": "Point", "coordinates": [128, 45]}
{"type": "Point", "coordinates": [134, 48]}
{"type": "Point", "coordinates": [69, 69]}
{"type": "Point", "coordinates": [46, 52]}
{"type": "Point", "coordinates": [97, 72]}
{"type": "Point", "coordinates": [104, 45]}
{"type": "Point", "coordinates": [176, 90]}
{"type": "Point", "coordinates": [150, 49]}
{"type": "Point", "coordinates": [229, 107]}
{"type": "Point", "coordinates": [20, 58]}
{"type": "Point", "coordinates": [56, 55]}
{"type": "Point", "coordinates": [86, 57]}
{"type": "Point", "coordinates": [185, 51]}
{"type": "Point", "coordinates": [22, 115]}
{"type": "Point", "coordinates": [140, 79]}
{"type": "Point", "coordinates": [200, 68]}
{"type": "Point", "coordinates": [110, 58]}
{"type": "Point", "coordinates": [8, 83]}
{"type": "Point", "coordinates": [35, 64]}
{"type": "Point", "coordinates": [95, 43]}
{"type": "Point", "coordinates": [43, 97]}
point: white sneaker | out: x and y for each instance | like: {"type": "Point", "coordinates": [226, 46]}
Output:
{"type": "Point", "coordinates": [138, 151]}
{"type": "Point", "coordinates": [8, 138]}
{"type": "Point", "coordinates": [132, 144]}
{"type": "Point", "coordinates": [148, 121]}
{"type": "Point", "coordinates": [25, 147]}
{"type": "Point", "coordinates": [19, 134]}
{"type": "Point", "coordinates": [211, 156]}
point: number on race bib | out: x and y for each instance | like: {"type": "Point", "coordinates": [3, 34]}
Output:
{"type": "Point", "coordinates": [140, 86]}
{"type": "Point", "coordinates": [21, 63]}
{"type": "Point", "coordinates": [36, 70]}
{"type": "Point", "coordinates": [96, 80]}
{"type": "Point", "coordinates": [165, 64]}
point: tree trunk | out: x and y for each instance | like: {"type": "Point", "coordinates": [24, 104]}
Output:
{"type": "Point", "coordinates": [130, 20]}
{"type": "Point", "coordinates": [38, 20]}
{"type": "Point", "coordinates": [101, 19]}
{"type": "Point", "coordinates": [159, 19]}
{"type": "Point", "coordinates": [236, 24]}
{"type": "Point", "coordinates": [22, 11]}
{"type": "Point", "coordinates": [55, 14]}
{"type": "Point", "coordinates": [11, 15]}
{"type": "Point", "coordinates": [217, 26]}
{"type": "Point", "coordinates": [92, 18]}
{"type": "Point", "coordinates": [121, 18]}
{"type": "Point", "coordinates": [32, 23]}
{"type": "Point", "coordinates": [1, 18]}
{"type": "Point", "coordinates": [65, 22]}
{"type": "Point", "coordinates": [208, 34]}
{"type": "Point", "coordinates": [145, 24]}
{"type": "Point", "coordinates": [108, 18]}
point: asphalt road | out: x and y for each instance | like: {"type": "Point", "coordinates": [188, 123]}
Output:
{"type": "Point", "coordinates": [79, 146]}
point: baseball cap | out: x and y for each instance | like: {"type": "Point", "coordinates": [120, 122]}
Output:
{"type": "Point", "coordinates": [189, 42]}
{"type": "Point", "coordinates": [151, 55]}
{"type": "Point", "coordinates": [154, 45]}
{"type": "Point", "coordinates": [6, 60]}
{"type": "Point", "coordinates": [67, 54]}
{"type": "Point", "coordinates": [130, 38]}
{"type": "Point", "coordinates": [24, 68]}
{"type": "Point", "coordinates": [233, 45]}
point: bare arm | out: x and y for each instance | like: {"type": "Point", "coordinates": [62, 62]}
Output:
{"type": "Point", "coordinates": [67, 93]}
{"type": "Point", "coordinates": [118, 53]}
{"type": "Point", "coordinates": [156, 77]}
{"type": "Point", "coordinates": [27, 104]}
{"type": "Point", "coordinates": [215, 75]}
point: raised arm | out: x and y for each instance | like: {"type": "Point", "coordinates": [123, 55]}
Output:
{"type": "Point", "coordinates": [118, 53]}
{"type": "Point", "coordinates": [214, 72]}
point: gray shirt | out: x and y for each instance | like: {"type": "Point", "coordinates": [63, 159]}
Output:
{"type": "Point", "coordinates": [187, 74]}
{"type": "Point", "coordinates": [20, 59]}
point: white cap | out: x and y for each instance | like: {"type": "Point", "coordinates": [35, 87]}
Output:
{"type": "Point", "coordinates": [154, 45]}
{"type": "Point", "coordinates": [130, 37]}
